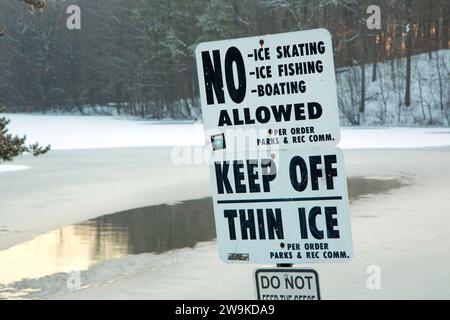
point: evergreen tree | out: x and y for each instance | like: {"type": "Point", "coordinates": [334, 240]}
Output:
{"type": "Point", "coordinates": [12, 146]}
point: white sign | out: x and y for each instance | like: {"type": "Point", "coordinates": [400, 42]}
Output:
{"type": "Point", "coordinates": [273, 90]}
{"type": "Point", "coordinates": [287, 284]}
{"type": "Point", "coordinates": [289, 206]}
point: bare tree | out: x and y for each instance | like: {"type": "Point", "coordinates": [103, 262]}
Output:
{"type": "Point", "coordinates": [409, 33]}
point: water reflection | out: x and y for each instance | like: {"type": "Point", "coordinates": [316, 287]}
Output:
{"type": "Point", "coordinates": [359, 187]}
{"type": "Point", "coordinates": [76, 247]}
{"type": "Point", "coordinates": [150, 229]}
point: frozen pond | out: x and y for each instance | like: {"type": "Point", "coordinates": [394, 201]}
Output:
{"type": "Point", "coordinates": [76, 247]}
{"type": "Point", "coordinates": [154, 229]}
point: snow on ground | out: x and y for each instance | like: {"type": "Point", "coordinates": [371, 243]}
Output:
{"type": "Point", "coordinates": [393, 138]}
{"type": "Point", "coordinates": [93, 132]}
{"type": "Point", "coordinates": [10, 167]}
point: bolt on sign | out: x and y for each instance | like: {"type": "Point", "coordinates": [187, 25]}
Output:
{"type": "Point", "coordinates": [271, 122]}
{"type": "Point", "coordinates": [282, 87]}
{"type": "Point", "coordinates": [287, 284]}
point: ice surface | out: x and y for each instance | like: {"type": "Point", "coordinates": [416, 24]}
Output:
{"type": "Point", "coordinates": [393, 138]}
{"type": "Point", "coordinates": [406, 237]}
{"type": "Point", "coordinates": [93, 132]}
{"type": "Point", "coordinates": [10, 167]}
{"type": "Point", "coordinates": [83, 184]}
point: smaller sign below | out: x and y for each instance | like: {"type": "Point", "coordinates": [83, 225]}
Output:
{"type": "Point", "coordinates": [287, 284]}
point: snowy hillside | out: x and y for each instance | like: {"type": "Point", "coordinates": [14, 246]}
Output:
{"type": "Point", "coordinates": [430, 95]}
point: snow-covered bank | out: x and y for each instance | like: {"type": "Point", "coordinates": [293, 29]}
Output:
{"type": "Point", "coordinates": [10, 167]}
{"type": "Point", "coordinates": [393, 138]}
{"type": "Point", "coordinates": [405, 233]}
{"type": "Point", "coordinates": [94, 132]}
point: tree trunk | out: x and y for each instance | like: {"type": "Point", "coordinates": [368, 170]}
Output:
{"type": "Point", "coordinates": [362, 61]}
{"type": "Point", "coordinates": [408, 62]}
{"type": "Point", "coordinates": [375, 58]}
{"type": "Point", "coordinates": [362, 102]}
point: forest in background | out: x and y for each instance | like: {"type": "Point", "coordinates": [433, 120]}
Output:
{"type": "Point", "coordinates": [137, 56]}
